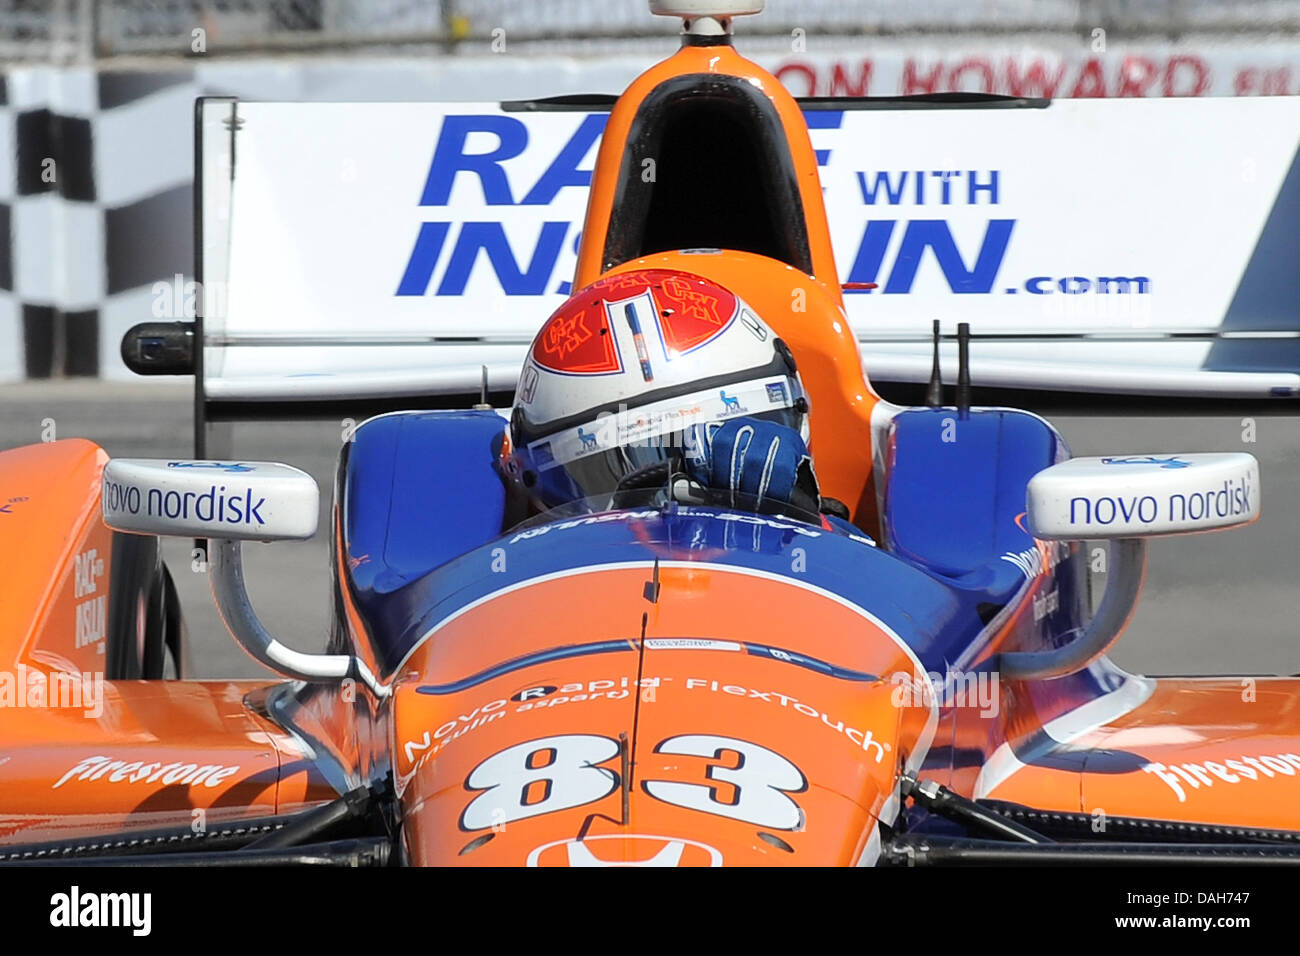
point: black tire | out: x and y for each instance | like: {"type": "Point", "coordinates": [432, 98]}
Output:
{"type": "Point", "coordinates": [144, 612]}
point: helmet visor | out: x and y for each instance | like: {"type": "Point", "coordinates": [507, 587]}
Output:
{"type": "Point", "coordinates": [636, 448]}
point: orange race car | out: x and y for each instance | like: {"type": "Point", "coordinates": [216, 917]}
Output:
{"type": "Point", "coordinates": [699, 597]}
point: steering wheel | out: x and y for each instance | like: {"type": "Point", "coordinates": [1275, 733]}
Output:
{"type": "Point", "coordinates": [652, 476]}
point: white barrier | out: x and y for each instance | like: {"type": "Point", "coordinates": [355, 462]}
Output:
{"type": "Point", "coordinates": [398, 227]}
{"type": "Point", "coordinates": [98, 265]}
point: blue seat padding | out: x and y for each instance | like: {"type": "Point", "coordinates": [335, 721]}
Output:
{"type": "Point", "coordinates": [956, 488]}
{"type": "Point", "coordinates": [421, 488]}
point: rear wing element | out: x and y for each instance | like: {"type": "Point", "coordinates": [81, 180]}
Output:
{"type": "Point", "coordinates": [389, 251]}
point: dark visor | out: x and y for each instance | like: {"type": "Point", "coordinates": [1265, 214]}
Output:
{"type": "Point", "coordinates": [640, 465]}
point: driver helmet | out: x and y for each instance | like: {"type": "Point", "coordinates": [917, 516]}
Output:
{"type": "Point", "coordinates": [623, 382]}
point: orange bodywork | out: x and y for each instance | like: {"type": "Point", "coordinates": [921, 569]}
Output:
{"type": "Point", "coordinates": [148, 754]}
{"type": "Point", "coordinates": [1206, 750]}
{"type": "Point", "coordinates": [50, 497]}
{"type": "Point", "coordinates": [80, 754]}
{"type": "Point", "coordinates": [807, 311]}
{"type": "Point", "coordinates": [723, 61]}
{"type": "Point", "coordinates": [655, 710]}
{"type": "Point", "coordinates": [832, 744]}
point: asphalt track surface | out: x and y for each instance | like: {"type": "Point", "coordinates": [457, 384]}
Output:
{"type": "Point", "coordinates": [1221, 603]}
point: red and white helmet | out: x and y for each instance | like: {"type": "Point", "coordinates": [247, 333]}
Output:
{"type": "Point", "coordinates": [625, 375]}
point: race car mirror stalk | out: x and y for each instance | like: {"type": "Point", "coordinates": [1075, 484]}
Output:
{"type": "Point", "coordinates": [706, 17]}
{"type": "Point", "coordinates": [226, 568]}
{"type": "Point", "coordinates": [227, 502]}
{"type": "Point", "coordinates": [1126, 500]}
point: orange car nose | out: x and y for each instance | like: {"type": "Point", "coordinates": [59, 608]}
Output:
{"type": "Point", "coordinates": [697, 735]}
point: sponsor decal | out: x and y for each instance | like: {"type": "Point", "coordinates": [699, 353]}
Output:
{"type": "Point", "coordinates": [578, 345]}
{"type": "Point", "coordinates": [731, 404]}
{"type": "Point", "coordinates": [1039, 560]}
{"type": "Point", "coordinates": [671, 423]}
{"type": "Point", "coordinates": [539, 698]}
{"type": "Point", "coordinates": [609, 849]}
{"type": "Point", "coordinates": [638, 340]}
{"type": "Point", "coordinates": [863, 739]}
{"type": "Point", "coordinates": [730, 517]}
{"type": "Point", "coordinates": [1148, 460]}
{"type": "Point", "coordinates": [543, 457]}
{"type": "Point", "coordinates": [776, 393]}
{"type": "Point", "coordinates": [529, 693]}
{"type": "Point", "coordinates": [1184, 69]}
{"type": "Point", "coordinates": [91, 622]}
{"type": "Point", "coordinates": [1181, 777]}
{"type": "Point", "coordinates": [528, 384]}
{"type": "Point", "coordinates": [235, 467]}
{"type": "Point", "coordinates": [212, 505]}
{"type": "Point", "coordinates": [582, 522]}
{"type": "Point", "coordinates": [687, 313]}
{"type": "Point", "coordinates": [88, 568]}
{"type": "Point", "coordinates": [652, 427]}
{"type": "Point", "coordinates": [564, 335]}
{"type": "Point", "coordinates": [434, 741]}
{"type": "Point", "coordinates": [894, 253]}
{"type": "Point", "coordinates": [657, 426]}
{"type": "Point", "coordinates": [692, 312]}
{"type": "Point", "coordinates": [911, 239]}
{"type": "Point", "coordinates": [1231, 499]}
{"type": "Point", "coordinates": [171, 774]}
{"type": "Point", "coordinates": [547, 697]}
{"type": "Point", "coordinates": [689, 644]}
{"type": "Point", "coordinates": [8, 507]}
{"type": "Point", "coordinates": [756, 328]}
{"type": "Point", "coordinates": [91, 613]}
{"type": "Point", "coordinates": [1045, 604]}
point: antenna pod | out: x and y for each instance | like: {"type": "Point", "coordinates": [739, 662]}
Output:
{"type": "Point", "coordinates": [963, 368]}
{"type": "Point", "coordinates": [934, 391]}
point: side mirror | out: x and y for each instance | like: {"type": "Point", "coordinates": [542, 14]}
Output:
{"type": "Point", "coordinates": [1127, 500]}
{"type": "Point", "coordinates": [1142, 496]}
{"type": "Point", "coordinates": [243, 501]}
{"type": "Point", "coordinates": [228, 502]}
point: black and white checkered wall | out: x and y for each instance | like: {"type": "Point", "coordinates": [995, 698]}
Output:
{"type": "Point", "coordinates": [95, 206]}
{"type": "Point", "coordinates": [84, 239]}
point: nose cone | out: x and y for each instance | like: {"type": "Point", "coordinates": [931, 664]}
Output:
{"type": "Point", "coordinates": [712, 741]}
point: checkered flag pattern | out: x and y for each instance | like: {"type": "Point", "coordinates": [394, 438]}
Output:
{"type": "Point", "coordinates": [91, 214]}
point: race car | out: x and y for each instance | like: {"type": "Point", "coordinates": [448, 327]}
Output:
{"type": "Point", "coordinates": [915, 675]}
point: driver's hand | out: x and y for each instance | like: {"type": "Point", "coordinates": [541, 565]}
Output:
{"type": "Point", "coordinates": [759, 459]}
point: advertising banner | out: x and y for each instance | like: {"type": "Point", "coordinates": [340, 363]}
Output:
{"type": "Point", "coordinates": [455, 227]}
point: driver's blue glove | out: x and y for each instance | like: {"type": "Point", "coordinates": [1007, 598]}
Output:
{"type": "Point", "coordinates": [758, 459]}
